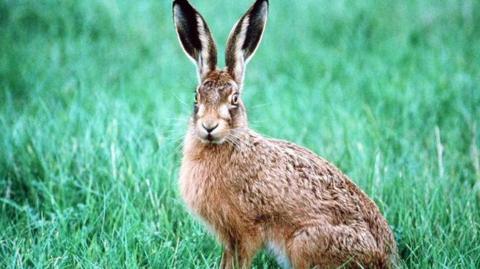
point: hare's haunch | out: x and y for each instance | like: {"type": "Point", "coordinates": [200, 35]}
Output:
{"type": "Point", "coordinates": [255, 192]}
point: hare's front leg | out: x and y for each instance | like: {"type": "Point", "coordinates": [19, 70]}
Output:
{"type": "Point", "coordinates": [239, 255]}
{"type": "Point", "coordinates": [232, 259]}
{"type": "Point", "coordinates": [228, 259]}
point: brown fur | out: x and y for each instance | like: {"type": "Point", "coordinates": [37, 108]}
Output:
{"type": "Point", "coordinates": [254, 192]}
{"type": "Point", "coordinates": [261, 190]}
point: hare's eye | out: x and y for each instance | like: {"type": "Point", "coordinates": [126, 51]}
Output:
{"type": "Point", "coordinates": [234, 100]}
{"type": "Point", "coordinates": [195, 101]}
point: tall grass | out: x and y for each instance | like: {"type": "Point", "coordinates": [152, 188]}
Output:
{"type": "Point", "coordinates": [95, 97]}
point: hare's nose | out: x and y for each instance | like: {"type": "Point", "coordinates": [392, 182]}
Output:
{"type": "Point", "coordinates": [209, 127]}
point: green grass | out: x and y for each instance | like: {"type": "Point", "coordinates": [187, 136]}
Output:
{"type": "Point", "coordinates": [95, 97]}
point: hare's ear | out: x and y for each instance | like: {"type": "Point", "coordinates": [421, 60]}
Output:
{"type": "Point", "coordinates": [195, 37]}
{"type": "Point", "coordinates": [244, 39]}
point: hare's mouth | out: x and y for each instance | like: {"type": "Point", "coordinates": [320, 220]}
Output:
{"type": "Point", "coordinates": [211, 139]}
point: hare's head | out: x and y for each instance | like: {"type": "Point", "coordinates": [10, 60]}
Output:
{"type": "Point", "coordinates": [218, 107]}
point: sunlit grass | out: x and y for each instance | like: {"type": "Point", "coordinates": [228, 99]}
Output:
{"type": "Point", "coordinates": [95, 97]}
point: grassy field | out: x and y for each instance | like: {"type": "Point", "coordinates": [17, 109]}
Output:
{"type": "Point", "coordinates": [95, 97]}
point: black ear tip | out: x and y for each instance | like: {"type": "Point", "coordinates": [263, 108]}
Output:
{"type": "Point", "coordinates": [181, 3]}
{"type": "Point", "coordinates": [263, 1]}
{"type": "Point", "coordinates": [261, 4]}
{"type": "Point", "coordinates": [175, 2]}
{"type": "Point", "coordinates": [259, 8]}
{"type": "Point", "coordinates": [184, 9]}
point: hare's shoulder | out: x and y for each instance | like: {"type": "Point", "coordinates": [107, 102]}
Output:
{"type": "Point", "coordinates": [325, 180]}
{"type": "Point", "coordinates": [313, 169]}
{"type": "Point", "coordinates": [303, 159]}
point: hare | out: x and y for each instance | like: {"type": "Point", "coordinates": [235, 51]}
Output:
{"type": "Point", "coordinates": [253, 192]}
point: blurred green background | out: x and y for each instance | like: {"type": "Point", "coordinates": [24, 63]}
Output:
{"type": "Point", "coordinates": [95, 97]}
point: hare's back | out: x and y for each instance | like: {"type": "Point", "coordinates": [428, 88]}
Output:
{"type": "Point", "coordinates": [319, 185]}
{"type": "Point", "coordinates": [321, 188]}
{"type": "Point", "coordinates": [306, 165]}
